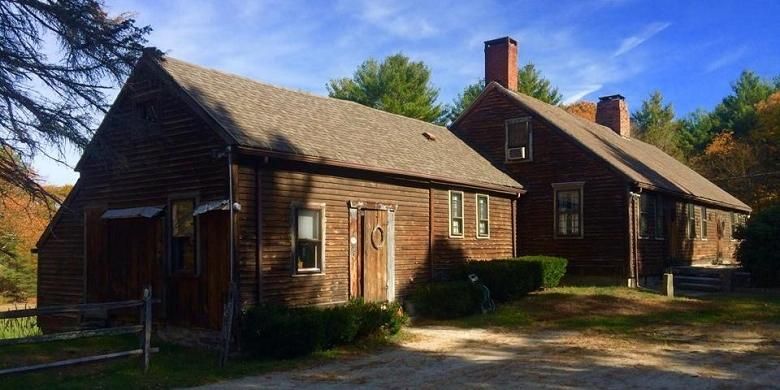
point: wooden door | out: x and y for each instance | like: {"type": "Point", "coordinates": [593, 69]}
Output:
{"type": "Point", "coordinates": [197, 298]}
{"type": "Point", "coordinates": [374, 245]}
{"type": "Point", "coordinates": [123, 257]}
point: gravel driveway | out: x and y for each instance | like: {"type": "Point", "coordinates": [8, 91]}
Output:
{"type": "Point", "coordinates": [439, 357]}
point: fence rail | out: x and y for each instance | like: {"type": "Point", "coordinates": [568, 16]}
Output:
{"type": "Point", "coordinates": [144, 329]}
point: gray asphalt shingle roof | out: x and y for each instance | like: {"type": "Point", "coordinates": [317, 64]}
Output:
{"type": "Point", "coordinates": [270, 118]}
{"type": "Point", "coordinates": [642, 163]}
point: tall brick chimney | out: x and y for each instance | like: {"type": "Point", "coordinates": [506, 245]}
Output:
{"type": "Point", "coordinates": [501, 62]}
{"type": "Point", "coordinates": [612, 111]}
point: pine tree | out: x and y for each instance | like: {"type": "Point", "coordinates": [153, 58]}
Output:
{"type": "Point", "coordinates": [397, 84]}
{"type": "Point", "coordinates": [654, 123]}
{"type": "Point", "coordinates": [531, 82]}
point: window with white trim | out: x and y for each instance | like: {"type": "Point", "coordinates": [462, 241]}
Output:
{"type": "Point", "coordinates": [308, 239]}
{"type": "Point", "coordinates": [519, 137]}
{"type": "Point", "coordinates": [690, 214]}
{"type": "Point", "coordinates": [483, 216]}
{"type": "Point", "coordinates": [456, 214]}
{"type": "Point", "coordinates": [568, 210]}
{"type": "Point", "coordinates": [703, 223]}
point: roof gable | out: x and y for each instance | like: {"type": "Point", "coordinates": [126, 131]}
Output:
{"type": "Point", "coordinates": [637, 161]}
{"type": "Point", "coordinates": [297, 124]}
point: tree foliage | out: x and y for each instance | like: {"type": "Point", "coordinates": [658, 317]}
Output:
{"type": "Point", "coordinates": [583, 109]}
{"type": "Point", "coordinates": [655, 123]}
{"type": "Point", "coordinates": [531, 82]}
{"type": "Point", "coordinates": [50, 99]}
{"type": "Point", "coordinates": [759, 250]}
{"type": "Point", "coordinates": [397, 84]}
{"type": "Point", "coordinates": [461, 102]}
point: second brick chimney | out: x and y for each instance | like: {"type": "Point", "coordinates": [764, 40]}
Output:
{"type": "Point", "coordinates": [501, 62]}
{"type": "Point", "coordinates": [612, 111]}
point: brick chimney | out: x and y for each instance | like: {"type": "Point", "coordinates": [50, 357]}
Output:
{"type": "Point", "coordinates": [612, 111]}
{"type": "Point", "coordinates": [501, 62]}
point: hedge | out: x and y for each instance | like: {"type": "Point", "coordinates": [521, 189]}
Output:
{"type": "Point", "coordinates": [283, 332]}
{"type": "Point", "coordinates": [512, 278]}
{"type": "Point", "coordinates": [445, 300]}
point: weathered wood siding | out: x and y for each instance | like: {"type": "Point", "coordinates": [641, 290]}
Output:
{"type": "Point", "coordinates": [284, 183]}
{"type": "Point", "coordinates": [556, 159]}
{"type": "Point", "coordinates": [134, 164]}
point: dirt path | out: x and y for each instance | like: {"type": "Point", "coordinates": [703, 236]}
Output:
{"type": "Point", "coordinates": [437, 357]}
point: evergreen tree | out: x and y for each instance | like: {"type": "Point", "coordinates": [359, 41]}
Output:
{"type": "Point", "coordinates": [462, 102]}
{"type": "Point", "coordinates": [531, 82]}
{"type": "Point", "coordinates": [52, 101]}
{"type": "Point", "coordinates": [654, 123]}
{"type": "Point", "coordinates": [397, 84]}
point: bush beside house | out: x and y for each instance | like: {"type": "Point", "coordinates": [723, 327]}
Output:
{"type": "Point", "coordinates": [284, 332]}
{"type": "Point", "coordinates": [506, 279]}
{"type": "Point", "coordinates": [759, 250]}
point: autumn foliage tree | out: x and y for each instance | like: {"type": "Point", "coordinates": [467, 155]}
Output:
{"type": "Point", "coordinates": [583, 109]}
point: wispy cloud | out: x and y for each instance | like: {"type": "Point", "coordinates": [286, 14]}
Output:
{"type": "Point", "coordinates": [633, 41]}
{"type": "Point", "coordinates": [728, 58]}
{"type": "Point", "coordinates": [402, 20]}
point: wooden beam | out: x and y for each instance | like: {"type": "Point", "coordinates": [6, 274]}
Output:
{"type": "Point", "coordinates": [74, 335]}
{"type": "Point", "coordinates": [71, 362]}
{"type": "Point", "coordinates": [77, 308]}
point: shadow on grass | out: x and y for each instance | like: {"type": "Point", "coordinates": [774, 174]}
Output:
{"type": "Point", "coordinates": [621, 311]}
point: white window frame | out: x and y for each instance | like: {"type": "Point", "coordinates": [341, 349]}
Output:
{"type": "Point", "coordinates": [487, 217]}
{"type": "Point", "coordinates": [530, 155]}
{"type": "Point", "coordinates": [704, 223]}
{"type": "Point", "coordinates": [294, 207]}
{"type": "Point", "coordinates": [690, 215]}
{"type": "Point", "coordinates": [569, 186]}
{"type": "Point", "coordinates": [462, 211]}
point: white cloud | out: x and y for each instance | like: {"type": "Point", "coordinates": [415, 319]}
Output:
{"type": "Point", "coordinates": [728, 58]}
{"type": "Point", "coordinates": [633, 41]}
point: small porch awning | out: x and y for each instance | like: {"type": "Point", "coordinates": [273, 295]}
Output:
{"type": "Point", "coordinates": [214, 205]}
{"type": "Point", "coordinates": [133, 212]}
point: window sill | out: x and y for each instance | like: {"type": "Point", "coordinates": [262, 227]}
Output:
{"type": "Point", "coordinates": [568, 237]}
{"type": "Point", "coordinates": [303, 274]}
{"type": "Point", "coordinates": [483, 238]}
{"type": "Point", "coordinates": [516, 161]}
{"type": "Point", "coordinates": [457, 237]}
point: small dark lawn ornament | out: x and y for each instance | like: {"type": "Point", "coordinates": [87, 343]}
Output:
{"type": "Point", "coordinates": [487, 305]}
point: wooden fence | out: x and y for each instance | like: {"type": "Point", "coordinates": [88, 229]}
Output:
{"type": "Point", "coordinates": [144, 329]}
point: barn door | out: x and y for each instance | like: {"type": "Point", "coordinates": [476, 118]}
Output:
{"type": "Point", "coordinates": [372, 266]}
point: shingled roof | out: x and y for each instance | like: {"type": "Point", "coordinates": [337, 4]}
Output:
{"type": "Point", "coordinates": [297, 124]}
{"type": "Point", "coordinates": [641, 163]}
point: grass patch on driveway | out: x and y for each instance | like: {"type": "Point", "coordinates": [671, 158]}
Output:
{"type": "Point", "coordinates": [620, 310]}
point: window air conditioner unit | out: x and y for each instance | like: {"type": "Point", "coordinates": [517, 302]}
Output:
{"type": "Point", "coordinates": [517, 153]}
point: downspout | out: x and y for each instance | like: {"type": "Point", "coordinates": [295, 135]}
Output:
{"type": "Point", "coordinates": [633, 280]}
{"type": "Point", "coordinates": [231, 259]}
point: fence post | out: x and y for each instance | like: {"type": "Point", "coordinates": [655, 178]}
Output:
{"type": "Point", "coordinates": [227, 326]}
{"type": "Point", "coordinates": [147, 318]}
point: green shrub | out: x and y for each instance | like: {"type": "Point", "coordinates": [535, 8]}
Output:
{"type": "Point", "coordinates": [445, 300]}
{"type": "Point", "coordinates": [553, 269]}
{"type": "Point", "coordinates": [283, 332]}
{"type": "Point", "coordinates": [759, 251]}
{"type": "Point", "coordinates": [512, 278]}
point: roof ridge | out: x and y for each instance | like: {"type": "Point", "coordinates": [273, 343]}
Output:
{"type": "Point", "coordinates": [301, 92]}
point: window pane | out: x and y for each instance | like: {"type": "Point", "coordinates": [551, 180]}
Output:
{"type": "Point", "coordinates": [483, 228]}
{"type": "Point", "coordinates": [456, 204]}
{"type": "Point", "coordinates": [457, 226]}
{"type": "Point", "coordinates": [659, 219]}
{"type": "Point", "coordinates": [568, 209]}
{"type": "Point", "coordinates": [183, 235]}
{"type": "Point", "coordinates": [183, 221]}
{"type": "Point", "coordinates": [308, 255]}
{"type": "Point", "coordinates": [518, 134]}
{"type": "Point", "coordinates": [482, 207]}
{"type": "Point", "coordinates": [308, 224]}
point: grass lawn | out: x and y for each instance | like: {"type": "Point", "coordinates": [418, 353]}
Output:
{"type": "Point", "coordinates": [173, 366]}
{"type": "Point", "coordinates": [619, 310]}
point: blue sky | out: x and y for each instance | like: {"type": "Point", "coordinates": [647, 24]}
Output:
{"type": "Point", "coordinates": [689, 50]}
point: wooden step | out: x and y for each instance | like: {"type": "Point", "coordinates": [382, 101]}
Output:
{"type": "Point", "coordinates": [697, 287]}
{"type": "Point", "coordinates": [696, 279]}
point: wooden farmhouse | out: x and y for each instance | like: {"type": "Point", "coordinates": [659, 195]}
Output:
{"type": "Point", "coordinates": [611, 204]}
{"type": "Point", "coordinates": [198, 180]}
